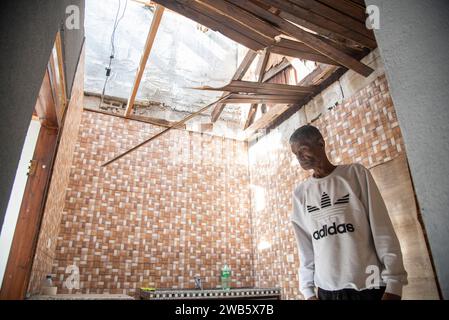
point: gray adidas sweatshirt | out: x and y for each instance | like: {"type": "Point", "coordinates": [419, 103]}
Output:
{"type": "Point", "coordinates": [344, 234]}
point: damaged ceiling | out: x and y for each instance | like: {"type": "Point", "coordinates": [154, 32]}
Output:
{"type": "Point", "coordinates": [191, 65]}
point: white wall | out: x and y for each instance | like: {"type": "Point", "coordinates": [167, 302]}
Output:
{"type": "Point", "coordinates": [12, 211]}
{"type": "Point", "coordinates": [413, 42]}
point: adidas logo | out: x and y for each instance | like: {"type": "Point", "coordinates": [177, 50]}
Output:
{"type": "Point", "coordinates": [326, 202]}
{"type": "Point", "coordinates": [332, 230]}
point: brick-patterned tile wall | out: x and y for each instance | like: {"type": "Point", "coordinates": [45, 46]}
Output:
{"type": "Point", "coordinates": [173, 209]}
{"type": "Point", "coordinates": [362, 129]}
{"type": "Point", "coordinates": [45, 250]}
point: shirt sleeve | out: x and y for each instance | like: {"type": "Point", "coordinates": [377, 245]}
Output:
{"type": "Point", "coordinates": [385, 240]}
{"type": "Point", "coordinates": [305, 249]}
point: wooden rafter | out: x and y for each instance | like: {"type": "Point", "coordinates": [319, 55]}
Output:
{"type": "Point", "coordinates": [174, 126]}
{"type": "Point", "coordinates": [276, 69]}
{"type": "Point", "coordinates": [242, 16]}
{"type": "Point", "coordinates": [265, 119]}
{"type": "Point", "coordinates": [336, 16]}
{"type": "Point", "coordinates": [225, 19]}
{"type": "Point", "coordinates": [262, 88]}
{"type": "Point", "coordinates": [314, 20]}
{"type": "Point", "coordinates": [307, 38]}
{"type": "Point", "coordinates": [193, 10]}
{"type": "Point", "coordinates": [263, 98]}
{"type": "Point", "coordinates": [347, 7]}
{"type": "Point", "coordinates": [260, 71]}
{"type": "Point", "coordinates": [301, 52]}
{"type": "Point", "coordinates": [146, 53]}
{"type": "Point", "coordinates": [238, 75]}
{"type": "Point", "coordinates": [318, 75]}
{"type": "Point", "coordinates": [353, 51]}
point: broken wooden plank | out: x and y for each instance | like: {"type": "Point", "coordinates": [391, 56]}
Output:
{"type": "Point", "coordinates": [259, 87]}
{"type": "Point", "coordinates": [318, 75]}
{"type": "Point", "coordinates": [266, 119]}
{"type": "Point", "coordinates": [294, 53]}
{"type": "Point", "coordinates": [308, 39]}
{"type": "Point", "coordinates": [239, 74]}
{"type": "Point", "coordinates": [262, 98]}
{"type": "Point", "coordinates": [260, 70]}
{"type": "Point", "coordinates": [146, 53]}
{"type": "Point", "coordinates": [251, 115]}
{"type": "Point", "coordinates": [210, 23]}
{"type": "Point", "coordinates": [276, 69]}
{"type": "Point", "coordinates": [294, 89]}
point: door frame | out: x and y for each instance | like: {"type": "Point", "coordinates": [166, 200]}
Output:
{"type": "Point", "coordinates": [50, 108]}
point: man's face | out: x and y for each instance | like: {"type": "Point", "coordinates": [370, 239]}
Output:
{"type": "Point", "coordinates": [308, 152]}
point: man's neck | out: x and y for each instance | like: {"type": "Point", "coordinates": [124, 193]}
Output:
{"type": "Point", "coordinates": [323, 170]}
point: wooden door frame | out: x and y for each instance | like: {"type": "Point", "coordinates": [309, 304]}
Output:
{"type": "Point", "coordinates": [26, 234]}
{"type": "Point", "coordinates": [20, 260]}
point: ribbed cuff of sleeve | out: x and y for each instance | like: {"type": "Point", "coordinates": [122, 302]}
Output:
{"type": "Point", "coordinates": [308, 292]}
{"type": "Point", "coordinates": [394, 287]}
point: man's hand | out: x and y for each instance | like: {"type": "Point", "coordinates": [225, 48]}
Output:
{"type": "Point", "coordinates": [313, 298]}
{"type": "Point", "coordinates": [390, 296]}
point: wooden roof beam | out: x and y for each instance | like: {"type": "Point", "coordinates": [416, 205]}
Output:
{"type": "Point", "coordinates": [212, 24]}
{"type": "Point", "coordinates": [260, 71]}
{"type": "Point", "coordinates": [308, 39]}
{"type": "Point", "coordinates": [284, 64]}
{"type": "Point", "coordinates": [266, 119]}
{"type": "Point", "coordinates": [336, 16]}
{"type": "Point", "coordinates": [294, 53]}
{"type": "Point", "coordinates": [262, 88]}
{"type": "Point", "coordinates": [316, 22]}
{"type": "Point", "coordinates": [243, 17]}
{"type": "Point", "coordinates": [348, 8]}
{"type": "Point", "coordinates": [238, 75]}
{"type": "Point", "coordinates": [146, 53]}
{"type": "Point", "coordinates": [263, 98]}
{"type": "Point", "coordinates": [224, 19]}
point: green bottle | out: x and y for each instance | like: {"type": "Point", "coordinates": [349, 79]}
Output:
{"type": "Point", "coordinates": [226, 277]}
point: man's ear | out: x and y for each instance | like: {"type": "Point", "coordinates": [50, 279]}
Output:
{"type": "Point", "coordinates": [321, 142]}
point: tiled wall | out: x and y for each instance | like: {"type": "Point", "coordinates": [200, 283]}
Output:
{"type": "Point", "coordinates": [173, 209]}
{"type": "Point", "coordinates": [186, 203]}
{"type": "Point", "coordinates": [362, 129]}
{"type": "Point", "coordinates": [45, 251]}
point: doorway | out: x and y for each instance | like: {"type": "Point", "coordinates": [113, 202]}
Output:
{"type": "Point", "coordinates": [20, 234]}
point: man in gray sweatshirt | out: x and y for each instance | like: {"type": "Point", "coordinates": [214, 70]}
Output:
{"type": "Point", "coordinates": [347, 246]}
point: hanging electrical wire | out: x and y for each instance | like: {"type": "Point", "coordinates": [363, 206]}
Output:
{"type": "Point", "coordinates": [112, 55]}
